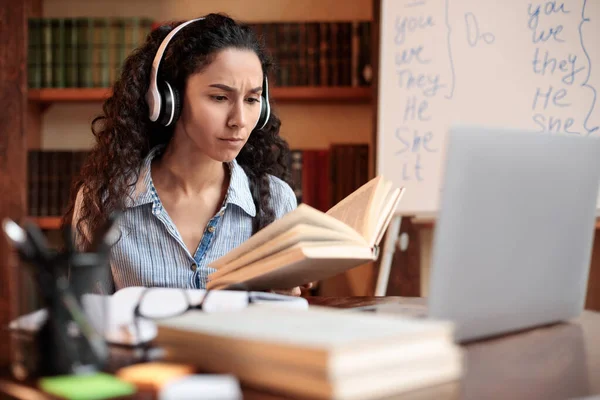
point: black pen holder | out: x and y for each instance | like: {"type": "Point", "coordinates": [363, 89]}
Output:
{"type": "Point", "coordinates": [48, 336]}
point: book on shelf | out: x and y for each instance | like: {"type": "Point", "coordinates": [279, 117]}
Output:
{"type": "Point", "coordinates": [315, 180]}
{"type": "Point", "coordinates": [344, 158]}
{"type": "Point", "coordinates": [308, 245]}
{"type": "Point", "coordinates": [317, 353]}
{"type": "Point", "coordinates": [50, 174]}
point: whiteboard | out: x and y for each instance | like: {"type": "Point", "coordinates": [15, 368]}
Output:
{"type": "Point", "coordinates": [510, 63]}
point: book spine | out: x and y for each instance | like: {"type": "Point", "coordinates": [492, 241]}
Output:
{"type": "Point", "coordinates": [105, 50]}
{"type": "Point", "coordinates": [85, 29]}
{"type": "Point", "coordinates": [312, 53]}
{"type": "Point", "coordinates": [365, 68]}
{"type": "Point", "coordinates": [302, 69]}
{"type": "Point", "coordinates": [346, 64]}
{"type": "Point", "coordinates": [270, 32]}
{"type": "Point", "coordinates": [112, 62]}
{"type": "Point", "coordinates": [59, 73]}
{"type": "Point", "coordinates": [47, 52]}
{"type": "Point", "coordinates": [296, 172]}
{"type": "Point", "coordinates": [284, 53]}
{"type": "Point", "coordinates": [33, 183]}
{"type": "Point", "coordinates": [307, 177]}
{"type": "Point", "coordinates": [121, 48]}
{"type": "Point", "coordinates": [323, 202]}
{"type": "Point", "coordinates": [43, 181]}
{"type": "Point", "coordinates": [334, 49]}
{"type": "Point", "coordinates": [355, 54]}
{"type": "Point", "coordinates": [324, 54]}
{"type": "Point", "coordinates": [70, 56]}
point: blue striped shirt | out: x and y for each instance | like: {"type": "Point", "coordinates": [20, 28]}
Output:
{"type": "Point", "coordinates": [151, 252]}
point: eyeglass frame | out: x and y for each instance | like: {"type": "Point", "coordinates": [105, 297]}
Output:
{"type": "Point", "coordinates": [146, 345]}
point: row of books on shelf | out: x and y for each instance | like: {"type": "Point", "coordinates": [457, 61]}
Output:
{"type": "Point", "coordinates": [81, 52]}
{"type": "Point", "coordinates": [320, 177]}
{"type": "Point", "coordinates": [89, 52]}
{"type": "Point", "coordinates": [319, 53]}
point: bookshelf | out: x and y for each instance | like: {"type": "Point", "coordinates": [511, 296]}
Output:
{"type": "Point", "coordinates": [349, 94]}
{"type": "Point", "coordinates": [29, 120]}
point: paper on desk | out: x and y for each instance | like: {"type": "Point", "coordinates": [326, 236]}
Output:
{"type": "Point", "coordinates": [211, 386]}
{"type": "Point", "coordinates": [113, 315]}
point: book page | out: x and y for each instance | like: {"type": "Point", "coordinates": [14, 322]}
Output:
{"type": "Point", "coordinates": [379, 201]}
{"type": "Point", "coordinates": [299, 233]}
{"type": "Point", "coordinates": [388, 209]}
{"type": "Point", "coordinates": [356, 209]}
{"type": "Point", "coordinates": [297, 265]}
{"type": "Point", "coordinates": [316, 327]}
{"type": "Point", "coordinates": [303, 214]}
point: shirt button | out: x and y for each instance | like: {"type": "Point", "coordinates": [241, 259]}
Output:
{"type": "Point", "coordinates": [211, 229]}
{"type": "Point", "coordinates": [194, 267]}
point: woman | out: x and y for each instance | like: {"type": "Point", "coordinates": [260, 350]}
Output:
{"type": "Point", "coordinates": [191, 180]}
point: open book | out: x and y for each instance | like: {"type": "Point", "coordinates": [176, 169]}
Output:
{"type": "Point", "coordinates": [307, 245]}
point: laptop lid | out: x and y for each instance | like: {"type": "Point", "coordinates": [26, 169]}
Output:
{"type": "Point", "coordinates": [513, 240]}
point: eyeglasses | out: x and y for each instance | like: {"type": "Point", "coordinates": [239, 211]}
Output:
{"type": "Point", "coordinates": [157, 303]}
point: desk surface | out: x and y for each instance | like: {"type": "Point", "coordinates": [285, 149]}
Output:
{"type": "Point", "coordinates": [560, 361]}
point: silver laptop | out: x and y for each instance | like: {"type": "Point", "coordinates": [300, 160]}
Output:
{"type": "Point", "coordinates": [512, 243]}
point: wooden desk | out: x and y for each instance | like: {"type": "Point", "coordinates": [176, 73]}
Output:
{"type": "Point", "coordinates": [560, 361]}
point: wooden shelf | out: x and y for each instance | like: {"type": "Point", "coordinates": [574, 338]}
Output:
{"type": "Point", "coordinates": [68, 95]}
{"type": "Point", "coordinates": [50, 223]}
{"type": "Point", "coordinates": [282, 94]}
{"type": "Point", "coordinates": [334, 94]}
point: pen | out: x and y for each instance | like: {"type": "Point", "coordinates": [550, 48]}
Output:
{"type": "Point", "coordinates": [18, 238]}
{"type": "Point", "coordinates": [107, 236]}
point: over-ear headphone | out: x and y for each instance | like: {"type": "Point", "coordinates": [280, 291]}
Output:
{"type": "Point", "coordinates": [164, 102]}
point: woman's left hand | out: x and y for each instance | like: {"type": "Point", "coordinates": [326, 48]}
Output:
{"type": "Point", "coordinates": [297, 291]}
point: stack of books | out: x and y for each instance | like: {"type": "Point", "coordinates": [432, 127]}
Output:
{"type": "Point", "coordinates": [318, 353]}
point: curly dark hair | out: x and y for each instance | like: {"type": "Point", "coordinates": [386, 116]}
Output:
{"type": "Point", "coordinates": [125, 135]}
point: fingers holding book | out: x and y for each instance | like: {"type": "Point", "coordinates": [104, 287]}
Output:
{"type": "Point", "coordinates": [296, 291]}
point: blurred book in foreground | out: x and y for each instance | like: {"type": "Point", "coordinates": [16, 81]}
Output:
{"type": "Point", "coordinates": [316, 353]}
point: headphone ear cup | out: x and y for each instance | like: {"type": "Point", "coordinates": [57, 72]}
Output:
{"type": "Point", "coordinates": [263, 114]}
{"type": "Point", "coordinates": [265, 107]}
{"type": "Point", "coordinates": [177, 108]}
{"type": "Point", "coordinates": [170, 105]}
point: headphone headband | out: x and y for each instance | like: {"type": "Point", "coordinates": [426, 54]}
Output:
{"type": "Point", "coordinates": [153, 95]}
{"type": "Point", "coordinates": [162, 92]}
{"type": "Point", "coordinates": [265, 112]}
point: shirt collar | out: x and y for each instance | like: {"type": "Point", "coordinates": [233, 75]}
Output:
{"type": "Point", "coordinates": [239, 189]}
{"type": "Point", "coordinates": [144, 192]}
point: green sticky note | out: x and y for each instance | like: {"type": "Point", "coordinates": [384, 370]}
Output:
{"type": "Point", "coordinates": [96, 386]}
